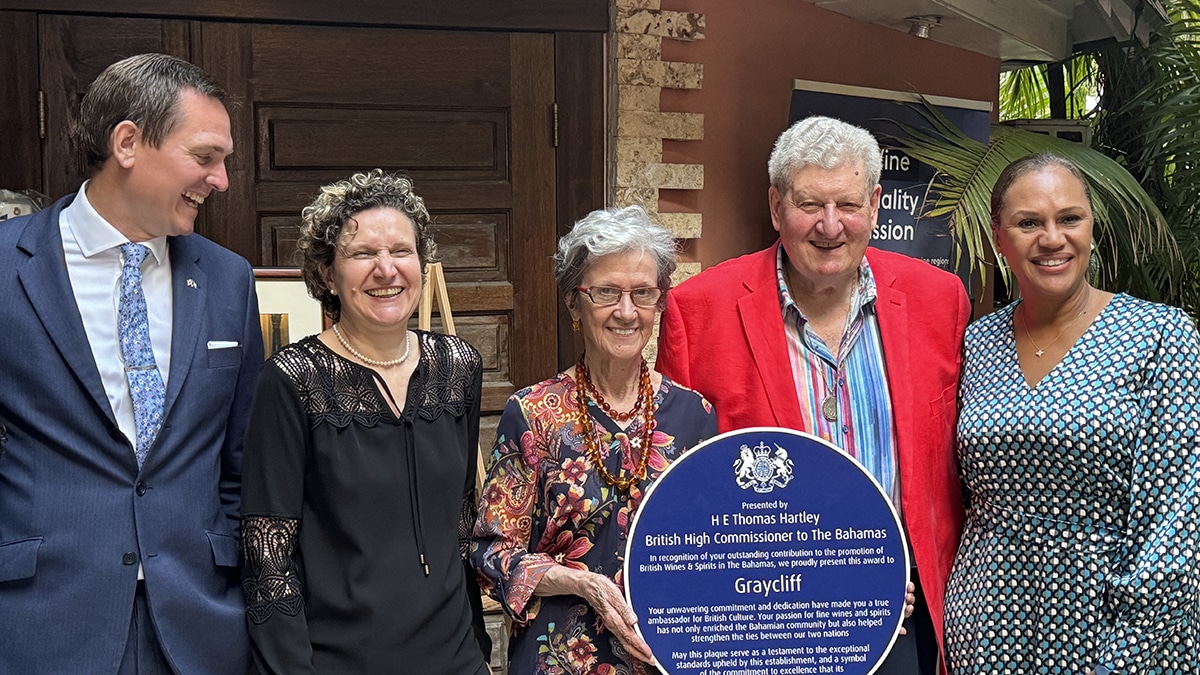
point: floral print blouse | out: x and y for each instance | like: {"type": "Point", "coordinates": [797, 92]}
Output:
{"type": "Point", "coordinates": [544, 504]}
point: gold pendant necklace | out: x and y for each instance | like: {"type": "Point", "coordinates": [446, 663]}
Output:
{"type": "Point", "coordinates": [1025, 322]}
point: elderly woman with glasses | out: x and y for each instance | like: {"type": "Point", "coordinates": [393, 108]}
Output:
{"type": "Point", "coordinates": [575, 454]}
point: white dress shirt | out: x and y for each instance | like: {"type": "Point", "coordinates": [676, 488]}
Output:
{"type": "Point", "coordinates": [93, 256]}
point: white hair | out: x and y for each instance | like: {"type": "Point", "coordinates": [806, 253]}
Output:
{"type": "Point", "coordinates": [613, 230]}
{"type": "Point", "coordinates": [825, 142]}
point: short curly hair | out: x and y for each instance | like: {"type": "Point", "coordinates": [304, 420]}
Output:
{"type": "Point", "coordinates": [825, 142]}
{"type": "Point", "coordinates": [323, 223]}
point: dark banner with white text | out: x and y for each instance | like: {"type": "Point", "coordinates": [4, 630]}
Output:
{"type": "Point", "coordinates": [904, 181]}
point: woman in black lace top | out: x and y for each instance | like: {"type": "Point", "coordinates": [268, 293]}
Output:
{"type": "Point", "coordinates": [358, 476]}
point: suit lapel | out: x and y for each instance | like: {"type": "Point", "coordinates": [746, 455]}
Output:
{"type": "Point", "coordinates": [891, 305]}
{"type": "Point", "coordinates": [188, 293]}
{"type": "Point", "coordinates": [46, 283]}
{"type": "Point", "coordinates": [762, 320]}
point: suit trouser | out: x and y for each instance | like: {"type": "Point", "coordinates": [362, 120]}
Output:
{"type": "Point", "coordinates": [915, 653]}
{"type": "Point", "coordinates": [143, 654]}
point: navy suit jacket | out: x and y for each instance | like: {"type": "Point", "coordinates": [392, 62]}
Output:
{"type": "Point", "coordinates": [76, 513]}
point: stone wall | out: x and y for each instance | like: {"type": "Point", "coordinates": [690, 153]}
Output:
{"type": "Point", "coordinates": [640, 123]}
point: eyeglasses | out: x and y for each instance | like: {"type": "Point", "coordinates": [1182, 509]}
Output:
{"type": "Point", "coordinates": [606, 296]}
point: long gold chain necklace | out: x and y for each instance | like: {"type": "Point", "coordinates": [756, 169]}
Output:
{"type": "Point", "coordinates": [1025, 322]}
{"type": "Point", "coordinates": [645, 405]}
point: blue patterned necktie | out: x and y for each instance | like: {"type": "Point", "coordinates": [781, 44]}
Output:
{"type": "Point", "coordinates": [133, 328]}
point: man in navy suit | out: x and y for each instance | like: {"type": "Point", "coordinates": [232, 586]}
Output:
{"type": "Point", "coordinates": [118, 529]}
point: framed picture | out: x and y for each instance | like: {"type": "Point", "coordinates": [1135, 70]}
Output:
{"type": "Point", "coordinates": [286, 311]}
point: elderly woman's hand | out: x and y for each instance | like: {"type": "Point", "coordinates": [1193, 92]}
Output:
{"type": "Point", "coordinates": [605, 598]}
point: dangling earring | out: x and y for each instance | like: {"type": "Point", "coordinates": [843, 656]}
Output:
{"type": "Point", "coordinates": [575, 325]}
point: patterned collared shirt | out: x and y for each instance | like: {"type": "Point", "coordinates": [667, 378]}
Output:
{"type": "Point", "coordinates": [864, 426]}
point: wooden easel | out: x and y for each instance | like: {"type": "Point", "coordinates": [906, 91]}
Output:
{"type": "Point", "coordinates": [435, 287]}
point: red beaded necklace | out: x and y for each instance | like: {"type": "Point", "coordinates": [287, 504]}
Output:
{"type": "Point", "coordinates": [644, 405]}
{"type": "Point", "coordinates": [644, 392]}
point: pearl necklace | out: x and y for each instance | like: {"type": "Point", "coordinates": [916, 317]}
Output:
{"type": "Point", "coordinates": [373, 362]}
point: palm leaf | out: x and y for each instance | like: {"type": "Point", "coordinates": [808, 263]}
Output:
{"type": "Point", "coordinates": [1023, 94]}
{"type": "Point", "coordinates": [1144, 170]}
{"type": "Point", "coordinates": [1128, 223]}
{"type": "Point", "coordinates": [1156, 132]}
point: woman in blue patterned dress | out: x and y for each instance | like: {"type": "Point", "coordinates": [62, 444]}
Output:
{"type": "Point", "coordinates": [1079, 442]}
{"type": "Point", "coordinates": [575, 454]}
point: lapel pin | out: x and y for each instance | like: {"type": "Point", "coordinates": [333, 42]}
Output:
{"type": "Point", "coordinates": [192, 283]}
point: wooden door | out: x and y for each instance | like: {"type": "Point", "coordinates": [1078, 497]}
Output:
{"type": "Point", "coordinates": [468, 115]}
{"type": "Point", "coordinates": [73, 50]}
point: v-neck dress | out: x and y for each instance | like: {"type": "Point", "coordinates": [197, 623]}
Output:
{"type": "Point", "coordinates": [1081, 544]}
{"type": "Point", "coordinates": [545, 505]}
{"type": "Point", "coordinates": [342, 501]}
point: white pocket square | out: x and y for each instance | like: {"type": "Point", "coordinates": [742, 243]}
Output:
{"type": "Point", "coordinates": [222, 344]}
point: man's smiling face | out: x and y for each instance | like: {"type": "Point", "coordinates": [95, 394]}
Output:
{"type": "Point", "coordinates": [825, 222]}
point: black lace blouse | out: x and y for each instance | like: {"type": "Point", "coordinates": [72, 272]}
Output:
{"type": "Point", "coordinates": [355, 523]}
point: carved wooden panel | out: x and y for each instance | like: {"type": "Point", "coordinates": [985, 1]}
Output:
{"type": "Point", "coordinates": [381, 66]}
{"type": "Point", "coordinates": [466, 115]}
{"type": "Point", "coordinates": [541, 15]}
{"type": "Point", "coordinates": [73, 51]}
{"type": "Point", "coordinates": [473, 246]}
{"type": "Point", "coordinates": [326, 143]}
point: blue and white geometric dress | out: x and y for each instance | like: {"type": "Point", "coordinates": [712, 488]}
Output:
{"type": "Point", "coordinates": [1082, 542]}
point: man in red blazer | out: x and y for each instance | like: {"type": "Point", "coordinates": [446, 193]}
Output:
{"type": "Point", "coordinates": [860, 346]}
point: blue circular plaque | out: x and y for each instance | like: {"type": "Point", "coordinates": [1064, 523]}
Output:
{"type": "Point", "coordinates": [767, 551]}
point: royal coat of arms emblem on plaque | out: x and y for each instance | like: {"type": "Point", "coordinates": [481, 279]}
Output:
{"type": "Point", "coordinates": [762, 468]}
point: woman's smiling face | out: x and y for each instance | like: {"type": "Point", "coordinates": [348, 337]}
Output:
{"type": "Point", "coordinates": [1045, 232]}
{"type": "Point", "coordinates": [376, 272]}
{"type": "Point", "coordinates": [617, 332]}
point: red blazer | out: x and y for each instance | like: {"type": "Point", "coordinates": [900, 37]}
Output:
{"type": "Point", "coordinates": [722, 335]}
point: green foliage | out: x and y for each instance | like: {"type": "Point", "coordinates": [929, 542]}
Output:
{"type": "Point", "coordinates": [1156, 132]}
{"type": "Point", "coordinates": [1129, 226]}
{"type": "Point", "coordinates": [1143, 166]}
{"type": "Point", "coordinates": [1025, 94]}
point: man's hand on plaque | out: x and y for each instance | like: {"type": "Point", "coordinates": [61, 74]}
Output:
{"type": "Point", "coordinates": [910, 603]}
